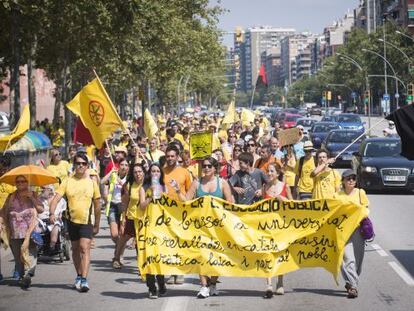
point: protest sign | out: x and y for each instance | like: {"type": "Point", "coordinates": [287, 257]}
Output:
{"type": "Point", "coordinates": [289, 137]}
{"type": "Point", "coordinates": [201, 145]}
{"type": "Point", "coordinates": [210, 236]}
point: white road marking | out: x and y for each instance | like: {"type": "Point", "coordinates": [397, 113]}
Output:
{"type": "Point", "coordinates": [402, 273]}
{"type": "Point", "coordinates": [175, 304]}
{"type": "Point", "coordinates": [379, 250]}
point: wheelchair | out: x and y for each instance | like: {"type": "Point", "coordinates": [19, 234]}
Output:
{"type": "Point", "coordinates": [62, 246]}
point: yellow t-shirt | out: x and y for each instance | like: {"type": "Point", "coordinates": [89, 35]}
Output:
{"type": "Point", "coordinates": [358, 196]}
{"type": "Point", "coordinates": [5, 191]}
{"type": "Point", "coordinates": [80, 193]}
{"type": "Point", "coordinates": [325, 184]}
{"type": "Point", "coordinates": [134, 211]}
{"type": "Point", "coordinates": [305, 183]}
{"type": "Point", "coordinates": [181, 176]}
{"type": "Point", "coordinates": [60, 170]}
{"type": "Point", "coordinates": [290, 175]}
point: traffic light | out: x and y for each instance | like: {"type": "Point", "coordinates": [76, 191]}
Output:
{"type": "Point", "coordinates": [366, 96]}
{"type": "Point", "coordinates": [410, 91]}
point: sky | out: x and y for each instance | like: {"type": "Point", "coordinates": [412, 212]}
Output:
{"type": "Point", "coordinates": [303, 15]}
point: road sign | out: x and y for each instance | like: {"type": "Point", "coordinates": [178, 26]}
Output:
{"type": "Point", "coordinates": [354, 95]}
{"type": "Point", "coordinates": [397, 95]}
{"type": "Point", "coordinates": [386, 97]}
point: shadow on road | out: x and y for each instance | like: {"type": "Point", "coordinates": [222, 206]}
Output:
{"type": "Point", "coordinates": [126, 295]}
{"type": "Point", "coordinates": [325, 292]}
{"type": "Point", "coordinates": [406, 259]}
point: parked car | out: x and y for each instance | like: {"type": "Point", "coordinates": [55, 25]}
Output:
{"type": "Point", "coordinates": [338, 140]}
{"type": "Point", "coordinates": [319, 131]}
{"type": "Point", "coordinates": [350, 121]}
{"type": "Point", "coordinates": [328, 118]}
{"type": "Point", "coordinates": [380, 166]}
{"type": "Point", "coordinates": [316, 110]}
{"type": "Point", "coordinates": [307, 124]}
{"type": "Point", "coordinates": [290, 120]}
{"type": "Point", "coordinates": [335, 111]}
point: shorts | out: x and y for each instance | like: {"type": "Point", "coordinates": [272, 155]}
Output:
{"type": "Point", "coordinates": [129, 227]}
{"type": "Point", "coordinates": [305, 195]}
{"type": "Point", "coordinates": [114, 213]}
{"type": "Point", "coordinates": [79, 231]}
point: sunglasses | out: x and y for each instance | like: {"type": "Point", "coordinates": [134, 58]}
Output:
{"type": "Point", "coordinates": [237, 150]}
{"type": "Point", "coordinates": [56, 154]}
{"type": "Point", "coordinates": [81, 163]}
{"type": "Point", "coordinates": [181, 161]}
{"type": "Point", "coordinates": [251, 145]}
{"type": "Point", "coordinates": [21, 181]}
{"type": "Point", "coordinates": [353, 178]}
{"type": "Point", "coordinates": [207, 166]}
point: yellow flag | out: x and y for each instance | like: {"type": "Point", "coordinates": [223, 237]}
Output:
{"type": "Point", "coordinates": [22, 127]}
{"type": "Point", "coordinates": [93, 105]}
{"type": "Point", "coordinates": [150, 127]}
{"type": "Point", "coordinates": [247, 116]}
{"type": "Point", "coordinates": [231, 115]}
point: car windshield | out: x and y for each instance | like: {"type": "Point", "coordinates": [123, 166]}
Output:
{"type": "Point", "coordinates": [324, 128]}
{"type": "Point", "coordinates": [292, 118]}
{"type": "Point", "coordinates": [348, 119]}
{"type": "Point", "coordinates": [305, 122]}
{"type": "Point", "coordinates": [343, 137]}
{"type": "Point", "coordinates": [380, 149]}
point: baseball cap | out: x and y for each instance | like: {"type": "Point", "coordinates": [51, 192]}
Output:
{"type": "Point", "coordinates": [81, 149]}
{"type": "Point", "coordinates": [348, 173]}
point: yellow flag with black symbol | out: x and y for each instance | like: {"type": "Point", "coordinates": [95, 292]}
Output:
{"type": "Point", "coordinates": [96, 111]}
{"type": "Point", "coordinates": [23, 125]}
{"type": "Point", "coordinates": [150, 127]}
{"type": "Point", "coordinates": [201, 145]}
{"type": "Point", "coordinates": [209, 236]}
{"type": "Point", "coordinates": [247, 117]}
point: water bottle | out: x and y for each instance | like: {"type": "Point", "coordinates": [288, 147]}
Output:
{"type": "Point", "coordinates": [156, 187]}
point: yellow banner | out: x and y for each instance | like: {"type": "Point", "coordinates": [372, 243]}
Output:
{"type": "Point", "coordinates": [210, 236]}
{"type": "Point", "coordinates": [21, 128]}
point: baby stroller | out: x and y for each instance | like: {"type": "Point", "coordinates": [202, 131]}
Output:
{"type": "Point", "coordinates": [62, 246]}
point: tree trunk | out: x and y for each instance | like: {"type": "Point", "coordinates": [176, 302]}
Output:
{"type": "Point", "coordinates": [31, 83]}
{"type": "Point", "coordinates": [16, 70]}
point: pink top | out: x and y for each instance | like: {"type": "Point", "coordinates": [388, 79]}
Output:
{"type": "Point", "coordinates": [20, 216]}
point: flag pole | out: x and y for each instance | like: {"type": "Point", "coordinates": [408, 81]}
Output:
{"type": "Point", "coordinates": [110, 153]}
{"type": "Point", "coordinates": [356, 139]}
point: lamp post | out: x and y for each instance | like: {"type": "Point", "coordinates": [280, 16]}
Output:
{"type": "Point", "coordinates": [404, 35]}
{"type": "Point", "coordinates": [385, 74]}
{"type": "Point", "coordinates": [355, 63]}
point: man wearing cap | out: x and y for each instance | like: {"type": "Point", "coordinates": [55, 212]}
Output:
{"type": "Point", "coordinates": [390, 131]}
{"type": "Point", "coordinates": [304, 168]}
{"type": "Point", "coordinates": [120, 154]}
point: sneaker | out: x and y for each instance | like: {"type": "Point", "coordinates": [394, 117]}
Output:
{"type": "Point", "coordinates": [16, 275]}
{"type": "Point", "coordinates": [152, 295]}
{"type": "Point", "coordinates": [162, 291]}
{"type": "Point", "coordinates": [203, 293]}
{"type": "Point", "coordinates": [26, 281]}
{"type": "Point", "coordinates": [179, 279]}
{"type": "Point", "coordinates": [280, 290]}
{"type": "Point", "coordinates": [116, 264]}
{"type": "Point", "coordinates": [213, 290]}
{"type": "Point", "coordinates": [77, 283]}
{"type": "Point", "coordinates": [84, 286]}
{"type": "Point", "coordinates": [268, 293]}
{"type": "Point", "coordinates": [352, 292]}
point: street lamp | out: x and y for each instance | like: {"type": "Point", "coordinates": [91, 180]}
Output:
{"type": "Point", "coordinates": [401, 51]}
{"type": "Point", "coordinates": [404, 35]}
{"type": "Point", "coordinates": [355, 63]}
{"type": "Point", "coordinates": [385, 74]}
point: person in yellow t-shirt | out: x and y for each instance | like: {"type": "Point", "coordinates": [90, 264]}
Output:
{"type": "Point", "coordinates": [327, 181]}
{"type": "Point", "coordinates": [304, 167]}
{"type": "Point", "coordinates": [132, 198]}
{"type": "Point", "coordinates": [82, 192]}
{"type": "Point", "coordinates": [58, 167]}
{"type": "Point", "coordinates": [355, 247]}
{"type": "Point", "coordinates": [289, 168]}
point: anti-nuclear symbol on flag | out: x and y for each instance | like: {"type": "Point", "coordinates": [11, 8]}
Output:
{"type": "Point", "coordinates": [96, 112]}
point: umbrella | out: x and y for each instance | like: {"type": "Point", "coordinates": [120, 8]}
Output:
{"type": "Point", "coordinates": [35, 175]}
